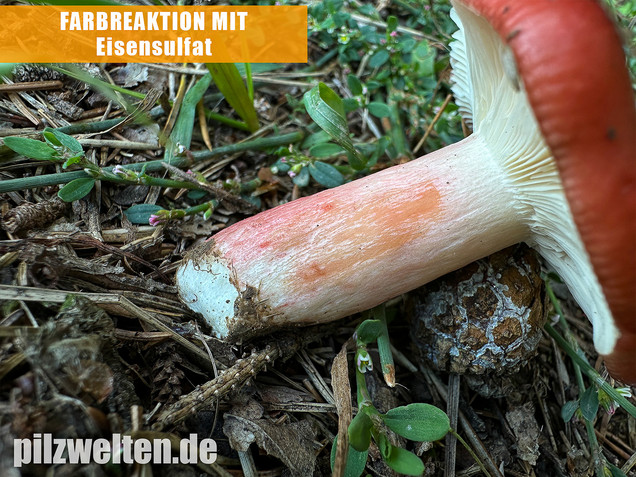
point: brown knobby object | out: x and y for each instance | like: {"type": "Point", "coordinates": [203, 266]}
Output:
{"type": "Point", "coordinates": [551, 162]}
{"type": "Point", "coordinates": [483, 321]}
{"type": "Point", "coordinates": [29, 216]}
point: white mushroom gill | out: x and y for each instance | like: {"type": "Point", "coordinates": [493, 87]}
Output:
{"type": "Point", "coordinates": [493, 101]}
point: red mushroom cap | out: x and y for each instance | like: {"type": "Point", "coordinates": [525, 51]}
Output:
{"type": "Point", "coordinates": [580, 91]}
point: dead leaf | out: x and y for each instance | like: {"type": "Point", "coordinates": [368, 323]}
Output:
{"type": "Point", "coordinates": [292, 442]}
{"type": "Point", "coordinates": [526, 429]}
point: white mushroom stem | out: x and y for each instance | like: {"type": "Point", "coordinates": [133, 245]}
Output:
{"type": "Point", "coordinates": [348, 249]}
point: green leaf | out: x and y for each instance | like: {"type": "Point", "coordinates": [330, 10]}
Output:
{"type": "Point", "coordinates": [424, 58]}
{"type": "Point", "coordinates": [568, 410]}
{"type": "Point", "coordinates": [140, 213]}
{"type": "Point", "coordinates": [254, 200]}
{"type": "Point", "coordinates": [360, 432]}
{"type": "Point", "coordinates": [69, 142]}
{"type": "Point", "coordinates": [30, 148]}
{"type": "Point", "coordinates": [302, 178]}
{"type": "Point", "coordinates": [615, 471]}
{"type": "Point", "coordinates": [368, 331]}
{"type": "Point", "coordinates": [181, 134]}
{"type": "Point", "coordinates": [356, 461]}
{"type": "Point", "coordinates": [326, 108]}
{"type": "Point", "coordinates": [230, 84]}
{"type": "Point", "coordinates": [196, 194]}
{"type": "Point", "coordinates": [355, 86]}
{"type": "Point", "coordinates": [404, 462]}
{"type": "Point", "coordinates": [282, 167]}
{"type": "Point", "coordinates": [379, 110]}
{"type": "Point", "coordinates": [589, 403]}
{"type": "Point", "coordinates": [6, 69]}
{"type": "Point", "coordinates": [379, 58]}
{"type": "Point", "coordinates": [383, 444]}
{"type": "Point", "coordinates": [326, 150]}
{"type": "Point", "coordinates": [317, 138]}
{"type": "Point", "coordinates": [418, 422]}
{"type": "Point", "coordinates": [356, 163]}
{"type": "Point", "coordinates": [76, 189]}
{"type": "Point", "coordinates": [326, 174]}
{"type": "Point", "coordinates": [391, 23]}
{"type": "Point", "coordinates": [373, 85]}
{"type": "Point", "coordinates": [350, 104]}
{"type": "Point", "coordinates": [50, 138]}
{"type": "Point", "coordinates": [406, 44]}
{"type": "Point", "coordinates": [73, 160]}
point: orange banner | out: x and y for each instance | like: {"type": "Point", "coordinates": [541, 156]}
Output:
{"type": "Point", "coordinates": [134, 34]}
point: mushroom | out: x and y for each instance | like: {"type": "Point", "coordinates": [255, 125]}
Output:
{"type": "Point", "coordinates": [550, 162]}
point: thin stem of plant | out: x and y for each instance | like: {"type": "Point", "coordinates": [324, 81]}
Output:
{"type": "Point", "coordinates": [152, 166]}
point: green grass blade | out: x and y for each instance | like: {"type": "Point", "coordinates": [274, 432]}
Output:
{"type": "Point", "coordinates": [181, 135]}
{"type": "Point", "coordinates": [230, 84]}
{"type": "Point", "coordinates": [248, 79]}
{"type": "Point", "coordinates": [103, 87]}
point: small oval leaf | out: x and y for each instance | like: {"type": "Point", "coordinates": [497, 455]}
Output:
{"type": "Point", "coordinates": [360, 432]}
{"type": "Point", "coordinates": [356, 163]}
{"type": "Point", "coordinates": [391, 23]}
{"type": "Point", "coordinates": [326, 174]}
{"type": "Point", "coordinates": [589, 403]}
{"type": "Point", "coordinates": [568, 410]}
{"type": "Point", "coordinates": [140, 213]}
{"type": "Point", "coordinates": [615, 471]}
{"type": "Point", "coordinates": [418, 422]}
{"type": "Point", "coordinates": [355, 86]}
{"type": "Point", "coordinates": [302, 178]}
{"type": "Point", "coordinates": [351, 104]}
{"type": "Point", "coordinates": [379, 110]}
{"type": "Point", "coordinates": [76, 189]}
{"type": "Point", "coordinates": [67, 141]}
{"type": "Point", "coordinates": [368, 331]}
{"type": "Point", "coordinates": [356, 461]}
{"type": "Point", "coordinates": [30, 148]}
{"type": "Point", "coordinates": [404, 462]}
{"type": "Point", "coordinates": [379, 58]}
